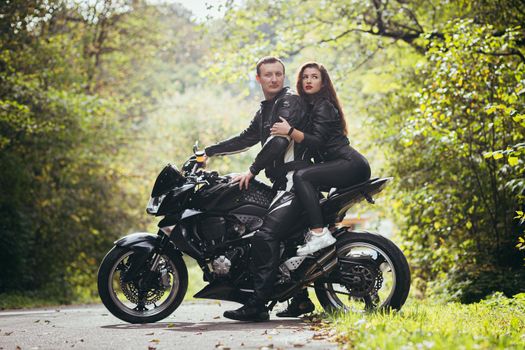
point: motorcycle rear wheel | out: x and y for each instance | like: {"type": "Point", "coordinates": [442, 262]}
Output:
{"type": "Point", "coordinates": [380, 273]}
{"type": "Point", "coordinates": [116, 295]}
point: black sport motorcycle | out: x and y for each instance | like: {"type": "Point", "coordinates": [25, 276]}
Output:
{"type": "Point", "coordinates": [143, 278]}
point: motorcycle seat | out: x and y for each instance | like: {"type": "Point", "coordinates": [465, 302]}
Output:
{"type": "Point", "coordinates": [337, 191]}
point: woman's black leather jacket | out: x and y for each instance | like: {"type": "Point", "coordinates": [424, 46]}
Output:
{"type": "Point", "coordinates": [326, 134]}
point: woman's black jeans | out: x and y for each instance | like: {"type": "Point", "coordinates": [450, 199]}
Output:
{"type": "Point", "coordinates": [336, 173]}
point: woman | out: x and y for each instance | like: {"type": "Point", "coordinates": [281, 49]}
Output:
{"type": "Point", "coordinates": [340, 165]}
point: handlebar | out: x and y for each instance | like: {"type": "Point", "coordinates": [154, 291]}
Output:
{"type": "Point", "coordinates": [193, 168]}
{"type": "Point", "coordinates": [206, 177]}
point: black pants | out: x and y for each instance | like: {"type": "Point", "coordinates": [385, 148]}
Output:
{"type": "Point", "coordinates": [266, 243]}
{"type": "Point", "coordinates": [336, 173]}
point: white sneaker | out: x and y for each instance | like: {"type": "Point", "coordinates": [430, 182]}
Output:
{"type": "Point", "coordinates": [315, 242]}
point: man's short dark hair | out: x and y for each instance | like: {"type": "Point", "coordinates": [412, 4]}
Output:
{"type": "Point", "coordinates": [268, 59]}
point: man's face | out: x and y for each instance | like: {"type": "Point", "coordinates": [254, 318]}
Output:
{"type": "Point", "coordinates": [271, 78]}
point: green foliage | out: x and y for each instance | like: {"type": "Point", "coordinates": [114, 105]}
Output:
{"type": "Point", "coordinates": [495, 323]}
{"type": "Point", "coordinates": [73, 98]}
{"type": "Point", "coordinates": [459, 203]}
{"type": "Point", "coordinates": [54, 180]}
{"type": "Point", "coordinates": [354, 30]}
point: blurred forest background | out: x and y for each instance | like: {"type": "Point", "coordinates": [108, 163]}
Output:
{"type": "Point", "coordinates": [96, 96]}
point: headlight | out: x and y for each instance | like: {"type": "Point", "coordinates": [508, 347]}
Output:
{"type": "Point", "coordinates": [154, 204]}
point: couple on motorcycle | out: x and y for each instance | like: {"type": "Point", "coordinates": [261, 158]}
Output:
{"type": "Point", "coordinates": [293, 129]}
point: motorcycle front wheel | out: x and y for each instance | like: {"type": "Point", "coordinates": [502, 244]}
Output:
{"type": "Point", "coordinates": [372, 274]}
{"type": "Point", "coordinates": [137, 301]}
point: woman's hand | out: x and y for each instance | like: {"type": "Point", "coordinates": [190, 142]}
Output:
{"type": "Point", "coordinates": [243, 179]}
{"type": "Point", "coordinates": [280, 128]}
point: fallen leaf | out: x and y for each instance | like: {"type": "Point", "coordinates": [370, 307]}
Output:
{"type": "Point", "coordinates": [154, 341]}
{"type": "Point", "coordinates": [8, 333]}
{"type": "Point", "coordinates": [150, 333]}
{"type": "Point", "coordinates": [298, 345]}
{"type": "Point", "coordinates": [151, 347]}
{"type": "Point", "coordinates": [171, 325]}
{"type": "Point", "coordinates": [216, 317]}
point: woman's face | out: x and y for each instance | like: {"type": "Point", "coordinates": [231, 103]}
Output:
{"type": "Point", "coordinates": [312, 81]}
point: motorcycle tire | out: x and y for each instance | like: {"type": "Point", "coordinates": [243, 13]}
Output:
{"type": "Point", "coordinates": [396, 267]}
{"type": "Point", "coordinates": [110, 297]}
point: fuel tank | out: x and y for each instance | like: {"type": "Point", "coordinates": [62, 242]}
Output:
{"type": "Point", "coordinates": [248, 205]}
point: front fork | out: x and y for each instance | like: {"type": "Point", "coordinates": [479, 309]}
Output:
{"type": "Point", "coordinates": [145, 281]}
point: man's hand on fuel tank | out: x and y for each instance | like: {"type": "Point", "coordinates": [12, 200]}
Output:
{"type": "Point", "coordinates": [243, 179]}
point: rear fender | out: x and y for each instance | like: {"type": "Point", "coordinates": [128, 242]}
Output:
{"type": "Point", "coordinates": [345, 230]}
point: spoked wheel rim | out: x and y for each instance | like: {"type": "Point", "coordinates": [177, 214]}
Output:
{"type": "Point", "coordinates": [156, 301]}
{"type": "Point", "coordinates": [377, 279]}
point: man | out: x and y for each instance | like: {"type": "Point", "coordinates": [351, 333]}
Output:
{"type": "Point", "coordinates": [279, 157]}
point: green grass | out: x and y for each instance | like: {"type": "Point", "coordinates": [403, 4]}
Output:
{"type": "Point", "coordinates": [495, 323]}
{"type": "Point", "coordinates": [33, 299]}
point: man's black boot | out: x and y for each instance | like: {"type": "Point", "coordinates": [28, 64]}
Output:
{"type": "Point", "coordinates": [299, 305]}
{"type": "Point", "coordinates": [251, 311]}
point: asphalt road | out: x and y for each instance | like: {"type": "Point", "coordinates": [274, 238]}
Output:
{"type": "Point", "coordinates": [194, 325]}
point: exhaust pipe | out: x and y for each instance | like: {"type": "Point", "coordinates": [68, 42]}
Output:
{"type": "Point", "coordinates": [324, 265]}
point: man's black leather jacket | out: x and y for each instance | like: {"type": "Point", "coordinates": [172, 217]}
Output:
{"type": "Point", "coordinates": [287, 105]}
{"type": "Point", "coordinates": [326, 136]}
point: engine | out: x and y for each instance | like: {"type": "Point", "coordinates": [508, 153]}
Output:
{"type": "Point", "coordinates": [217, 229]}
{"type": "Point", "coordinates": [222, 264]}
